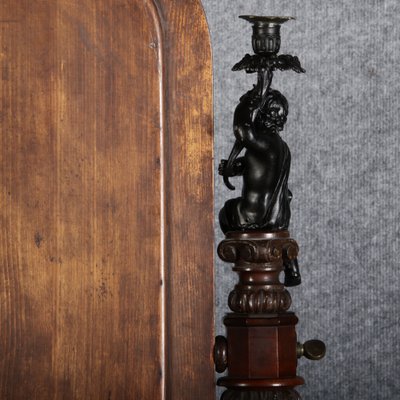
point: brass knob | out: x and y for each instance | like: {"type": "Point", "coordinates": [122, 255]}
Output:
{"type": "Point", "coordinates": [221, 354]}
{"type": "Point", "coordinates": [312, 349]}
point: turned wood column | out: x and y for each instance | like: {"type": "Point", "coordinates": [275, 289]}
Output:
{"type": "Point", "coordinates": [260, 351]}
{"type": "Point", "coordinates": [258, 259]}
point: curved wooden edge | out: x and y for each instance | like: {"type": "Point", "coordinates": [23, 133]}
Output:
{"type": "Point", "coordinates": [189, 201]}
{"type": "Point", "coordinates": [260, 383]}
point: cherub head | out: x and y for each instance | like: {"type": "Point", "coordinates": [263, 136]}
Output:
{"type": "Point", "coordinates": [273, 114]}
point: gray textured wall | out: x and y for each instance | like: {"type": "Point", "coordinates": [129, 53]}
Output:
{"type": "Point", "coordinates": [343, 131]}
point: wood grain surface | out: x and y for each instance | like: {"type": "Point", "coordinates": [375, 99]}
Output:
{"type": "Point", "coordinates": [106, 283]}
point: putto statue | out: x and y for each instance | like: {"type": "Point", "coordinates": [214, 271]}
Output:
{"type": "Point", "coordinates": [265, 199]}
{"type": "Point", "coordinates": [258, 120]}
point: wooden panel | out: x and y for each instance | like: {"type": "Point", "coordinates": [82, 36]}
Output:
{"type": "Point", "coordinates": [106, 200]}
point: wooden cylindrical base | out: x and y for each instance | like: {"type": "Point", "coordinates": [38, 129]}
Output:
{"type": "Point", "coordinates": [261, 351]}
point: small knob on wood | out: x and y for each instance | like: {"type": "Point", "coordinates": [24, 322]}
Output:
{"type": "Point", "coordinates": [312, 349]}
{"type": "Point", "coordinates": [221, 354]}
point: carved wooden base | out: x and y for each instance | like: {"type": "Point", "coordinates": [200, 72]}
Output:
{"type": "Point", "coordinates": [258, 258]}
{"type": "Point", "coordinates": [261, 347]}
{"type": "Point", "coordinates": [260, 350]}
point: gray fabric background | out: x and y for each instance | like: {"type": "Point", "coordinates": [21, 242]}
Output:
{"type": "Point", "coordinates": [343, 132]}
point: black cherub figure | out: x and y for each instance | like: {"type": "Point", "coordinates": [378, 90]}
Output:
{"type": "Point", "coordinates": [264, 204]}
{"type": "Point", "coordinates": [265, 201]}
{"type": "Point", "coordinates": [261, 114]}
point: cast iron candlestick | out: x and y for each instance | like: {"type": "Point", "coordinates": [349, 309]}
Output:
{"type": "Point", "coordinates": [261, 348]}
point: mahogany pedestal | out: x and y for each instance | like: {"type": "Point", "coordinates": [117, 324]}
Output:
{"type": "Point", "coordinates": [260, 350]}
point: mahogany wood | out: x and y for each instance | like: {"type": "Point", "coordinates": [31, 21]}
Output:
{"type": "Point", "coordinates": [260, 349]}
{"type": "Point", "coordinates": [258, 259]}
{"type": "Point", "coordinates": [106, 160]}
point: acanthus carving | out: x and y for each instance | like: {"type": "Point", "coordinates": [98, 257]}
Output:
{"type": "Point", "coordinates": [259, 301]}
{"type": "Point", "coordinates": [258, 261]}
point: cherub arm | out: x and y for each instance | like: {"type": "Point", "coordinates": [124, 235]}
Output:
{"type": "Point", "coordinates": [237, 170]}
{"type": "Point", "coordinates": [243, 127]}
